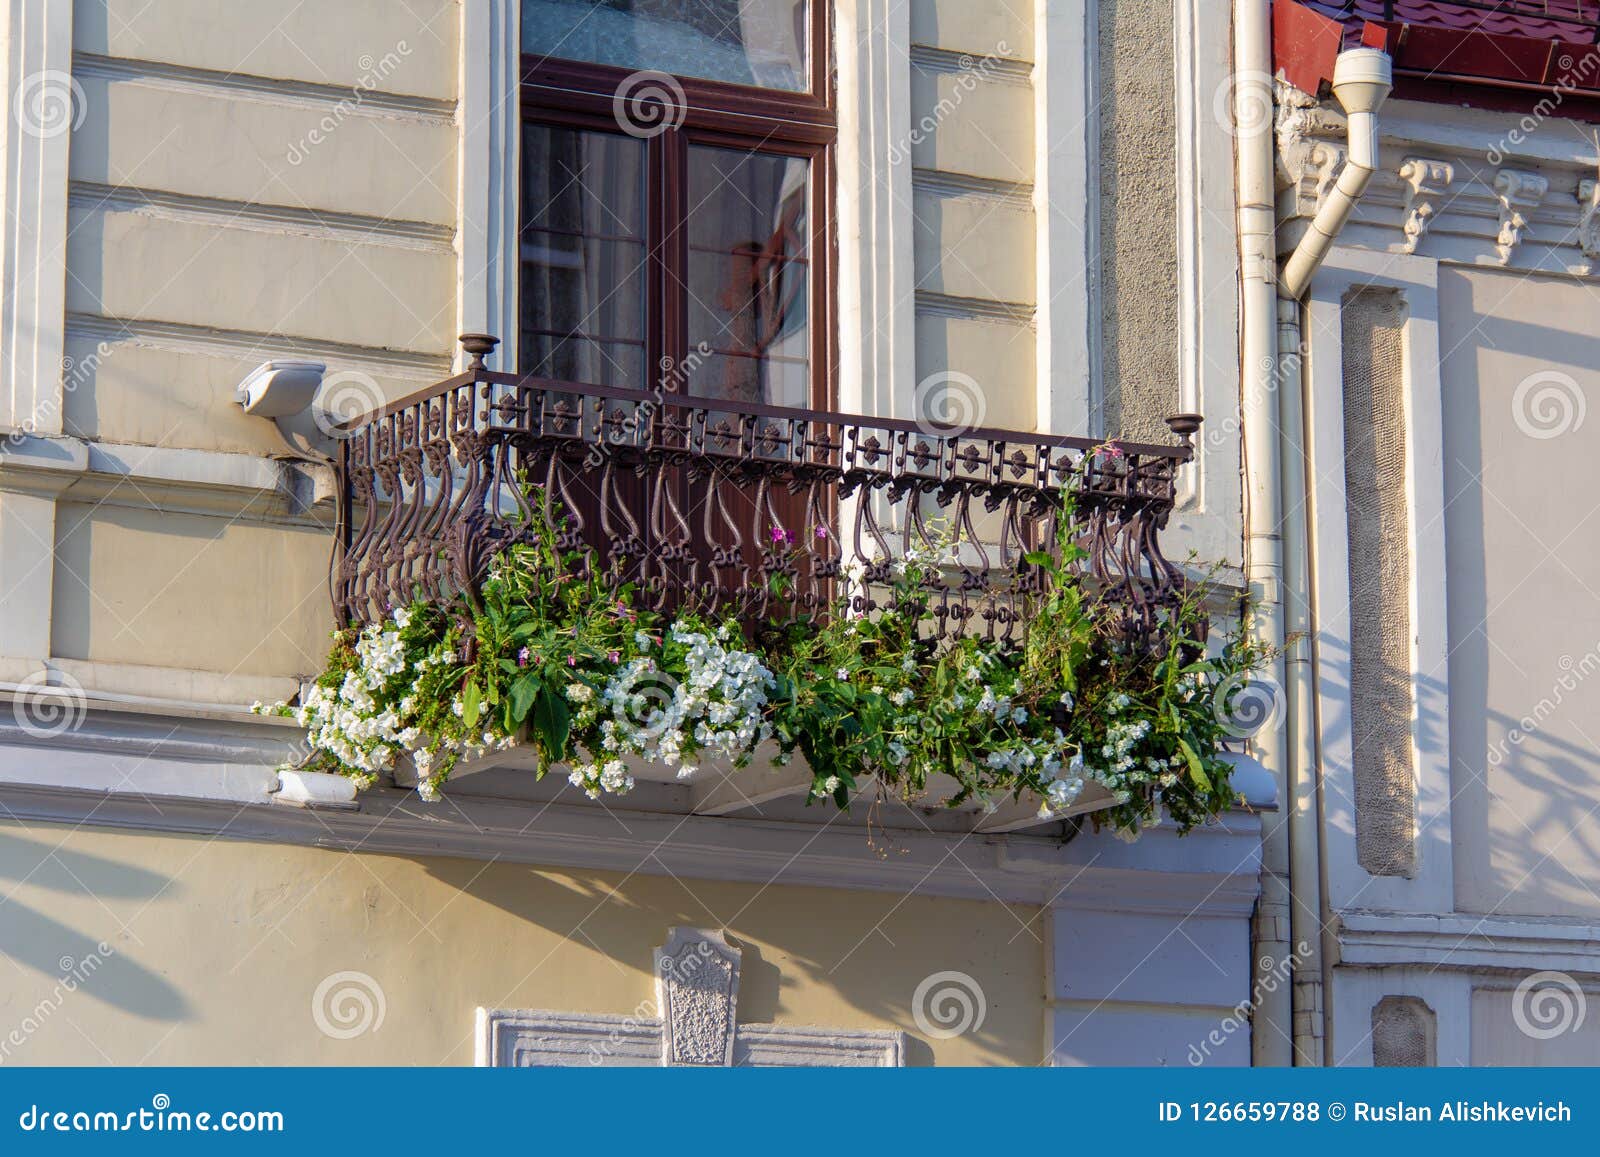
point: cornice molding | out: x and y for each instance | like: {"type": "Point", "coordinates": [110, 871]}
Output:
{"type": "Point", "coordinates": [352, 100]}
{"type": "Point", "coordinates": [1448, 189]}
{"type": "Point", "coordinates": [218, 780]}
{"type": "Point", "coordinates": [1468, 942]}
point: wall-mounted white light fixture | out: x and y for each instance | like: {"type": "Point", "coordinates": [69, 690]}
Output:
{"type": "Point", "coordinates": [280, 389]}
{"type": "Point", "coordinates": [286, 392]}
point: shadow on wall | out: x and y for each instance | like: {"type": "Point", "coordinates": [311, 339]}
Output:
{"type": "Point", "coordinates": [73, 962]}
{"type": "Point", "coordinates": [1523, 625]}
{"type": "Point", "coordinates": [869, 951]}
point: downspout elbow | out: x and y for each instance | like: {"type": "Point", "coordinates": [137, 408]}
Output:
{"type": "Point", "coordinates": [1362, 79]}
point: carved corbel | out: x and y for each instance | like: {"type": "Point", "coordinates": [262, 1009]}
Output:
{"type": "Point", "coordinates": [1427, 182]}
{"type": "Point", "coordinates": [1518, 193]}
{"type": "Point", "coordinates": [697, 988]}
{"type": "Point", "coordinates": [1589, 223]}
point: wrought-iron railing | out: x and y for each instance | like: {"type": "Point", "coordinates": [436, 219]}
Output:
{"type": "Point", "coordinates": [769, 513]}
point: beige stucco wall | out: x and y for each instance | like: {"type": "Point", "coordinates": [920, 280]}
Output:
{"type": "Point", "coordinates": [1524, 620]}
{"type": "Point", "coordinates": [209, 229]}
{"type": "Point", "coordinates": [974, 227]}
{"type": "Point", "coordinates": [219, 947]}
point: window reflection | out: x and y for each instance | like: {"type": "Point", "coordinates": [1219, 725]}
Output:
{"type": "Point", "coordinates": [748, 275]}
{"type": "Point", "coordinates": [583, 256]}
{"type": "Point", "coordinates": [753, 42]}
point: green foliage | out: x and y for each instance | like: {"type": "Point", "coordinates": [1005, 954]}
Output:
{"type": "Point", "coordinates": [550, 654]}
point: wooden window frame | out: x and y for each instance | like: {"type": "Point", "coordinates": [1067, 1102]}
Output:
{"type": "Point", "coordinates": [582, 95]}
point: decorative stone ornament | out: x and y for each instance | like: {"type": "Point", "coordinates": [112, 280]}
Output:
{"type": "Point", "coordinates": [1518, 193]}
{"type": "Point", "coordinates": [1427, 182]}
{"type": "Point", "coordinates": [1589, 224]}
{"type": "Point", "coordinates": [697, 990]}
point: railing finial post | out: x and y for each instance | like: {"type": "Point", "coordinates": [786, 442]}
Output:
{"type": "Point", "coordinates": [1185, 426]}
{"type": "Point", "coordinates": [478, 347]}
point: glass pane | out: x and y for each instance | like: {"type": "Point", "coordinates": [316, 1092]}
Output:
{"type": "Point", "coordinates": [583, 256]}
{"type": "Point", "coordinates": [755, 42]}
{"type": "Point", "coordinates": [777, 383]}
{"type": "Point", "coordinates": [748, 278]}
{"type": "Point", "coordinates": [575, 359]}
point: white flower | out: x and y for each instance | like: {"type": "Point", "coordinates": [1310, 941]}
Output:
{"type": "Point", "coordinates": [830, 785]}
{"type": "Point", "coordinates": [841, 674]}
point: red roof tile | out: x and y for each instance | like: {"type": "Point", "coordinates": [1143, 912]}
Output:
{"type": "Point", "coordinates": [1573, 21]}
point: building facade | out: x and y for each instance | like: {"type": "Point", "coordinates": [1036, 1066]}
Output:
{"type": "Point", "coordinates": [190, 195]}
{"type": "Point", "coordinates": [1056, 218]}
{"type": "Point", "coordinates": [1448, 354]}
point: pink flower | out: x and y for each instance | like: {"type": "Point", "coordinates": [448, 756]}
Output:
{"type": "Point", "coordinates": [822, 532]}
{"type": "Point", "coordinates": [781, 536]}
{"type": "Point", "coordinates": [522, 657]}
{"type": "Point", "coordinates": [572, 660]}
{"type": "Point", "coordinates": [616, 656]}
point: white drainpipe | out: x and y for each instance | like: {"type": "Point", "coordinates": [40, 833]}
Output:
{"type": "Point", "coordinates": [1362, 78]}
{"type": "Point", "coordinates": [1272, 1025]}
{"type": "Point", "coordinates": [1361, 82]}
{"type": "Point", "coordinates": [1288, 1019]}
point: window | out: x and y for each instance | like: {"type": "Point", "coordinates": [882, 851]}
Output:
{"type": "Point", "coordinates": [675, 230]}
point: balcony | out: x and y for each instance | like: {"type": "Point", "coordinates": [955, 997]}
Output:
{"type": "Point", "coordinates": [699, 503]}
